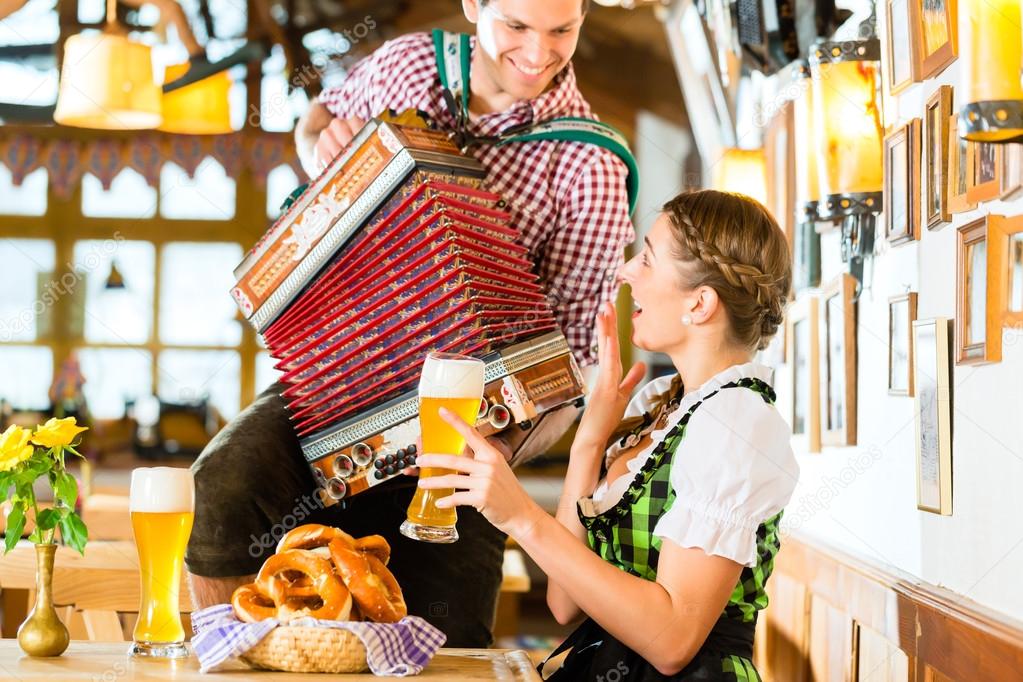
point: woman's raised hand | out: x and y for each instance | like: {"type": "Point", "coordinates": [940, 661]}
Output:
{"type": "Point", "coordinates": [606, 403]}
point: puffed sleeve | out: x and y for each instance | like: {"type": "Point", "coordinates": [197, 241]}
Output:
{"type": "Point", "coordinates": [733, 470]}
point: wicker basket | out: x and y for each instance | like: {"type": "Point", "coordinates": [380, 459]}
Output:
{"type": "Point", "coordinates": [309, 650]}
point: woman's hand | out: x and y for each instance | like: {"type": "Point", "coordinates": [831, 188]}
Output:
{"type": "Point", "coordinates": [484, 481]}
{"type": "Point", "coordinates": [606, 403]}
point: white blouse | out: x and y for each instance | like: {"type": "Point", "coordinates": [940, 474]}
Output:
{"type": "Point", "coordinates": [733, 470]}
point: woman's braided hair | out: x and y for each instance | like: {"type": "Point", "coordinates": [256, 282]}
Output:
{"type": "Point", "coordinates": [732, 244]}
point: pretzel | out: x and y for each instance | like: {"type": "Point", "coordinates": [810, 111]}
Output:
{"type": "Point", "coordinates": [371, 584]}
{"type": "Point", "coordinates": [251, 605]}
{"type": "Point", "coordinates": [336, 600]}
{"type": "Point", "coordinates": [310, 536]}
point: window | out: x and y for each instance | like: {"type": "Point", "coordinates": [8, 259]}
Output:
{"type": "Point", "coordinates": [128, 197]}
{"type": "Point", "coordinates": [28, 372]}
{"type": "Point", "coordinates": [210, 195]}
{"type": "Point", "coordinates": [186, 376]}
{"type": "Point", "coordinates": [278, 107]}
{"type": "Point", "coordinates": [117, 315]}
{"type": "Point", "coordinates": [27, 290]}
{"type": "Point", "coordinates": [29, 198]}
{"type": "Point", "coordinates": [114, 376]}
{"type": "Point", "coordinates": [195, 306]}
{"type": "Point", "coordinates": [280, 182]}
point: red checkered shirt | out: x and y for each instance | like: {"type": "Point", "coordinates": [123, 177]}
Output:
{"type": "Point", "coordinates": [568, 199]}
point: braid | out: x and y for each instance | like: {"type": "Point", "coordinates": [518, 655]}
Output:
{"type": "Point", "coordinates": [741, 226]}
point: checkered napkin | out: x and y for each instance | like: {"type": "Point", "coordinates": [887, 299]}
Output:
{"type": "Point", "coordinates": [402, 648]}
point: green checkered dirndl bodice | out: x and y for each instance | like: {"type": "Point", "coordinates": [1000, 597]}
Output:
{"type": "Point", "coordinates": [624, 534]}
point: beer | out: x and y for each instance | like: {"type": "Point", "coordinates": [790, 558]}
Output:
{"type": "Point", "coordinates": [161, 504]}
{"type": "Point", "coordinates": [454, 382]}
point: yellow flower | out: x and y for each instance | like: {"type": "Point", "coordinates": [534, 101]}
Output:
{"type": "Point", "coordinates": [14, 447]}
{"type": "Point", "coordinates": [57, 432]}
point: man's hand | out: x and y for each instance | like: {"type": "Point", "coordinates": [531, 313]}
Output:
{"type": "Point", "coordinates": [338, 133]}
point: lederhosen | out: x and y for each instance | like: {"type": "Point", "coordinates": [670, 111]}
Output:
{"type": "Point", "coordinates": [623, 536]}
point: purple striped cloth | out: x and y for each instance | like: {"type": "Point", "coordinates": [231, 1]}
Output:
{"type": "Point", "coordinates": [402, 648]}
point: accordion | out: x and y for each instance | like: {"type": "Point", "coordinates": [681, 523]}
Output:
{"type": "Point", "coordinates": [395, 250]}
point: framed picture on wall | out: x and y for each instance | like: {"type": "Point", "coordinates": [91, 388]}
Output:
{"type": "Point", "coordinates": [803, 362]}
{"type": "Point", "coordinates": [1010, 269]}
{"type": "Point", "coordinates": [780, 159]}
{"type": "Point", "coordinates": [958, 170]}
{"type": "Point", "coordinates": [978, 320]}
{"type": "Point", "coordinates": [938, 24]}
{"type": "Point", "coordinates": [901, 316]}
{"type": "Point", "coordinates": [1012, 171]}
{"type": "Point", "coordinates": [901, 45]}
{"type": "Point", "coordinates": [902, 184]}
{"type": "Point", "coordinates": [984, 180]}
{"type": "Point", "coordinates": [838, 361]}
{"type": "Point", "coordinates": [931, 374]}
{"type": "Point", "coordinates": [936, 152]}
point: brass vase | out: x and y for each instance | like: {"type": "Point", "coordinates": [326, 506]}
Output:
{"type": "Point", "coordinates": [43, 633]}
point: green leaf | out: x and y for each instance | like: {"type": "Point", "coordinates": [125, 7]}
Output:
{"type": "Point", "coordinates": [48, 518]}
{"type": "Point", "coordinates": [15, 524]}
{"type": "Point", "coordinates": [6, 481]}
{"type": "Point", "coordinates": [65, 487]}
{"type": "Point", "coordinates": [73, 532]}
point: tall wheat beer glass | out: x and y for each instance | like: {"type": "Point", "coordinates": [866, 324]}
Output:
{"type": "Point", "coordinates": [454, 382]}
{"type": "Point", "coordinates": [162, 505]}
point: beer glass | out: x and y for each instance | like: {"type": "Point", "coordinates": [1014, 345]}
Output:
{"type": "Point", "coordinates": [162, 504]}
{"type": "Point", "coordinates": [454, 382]}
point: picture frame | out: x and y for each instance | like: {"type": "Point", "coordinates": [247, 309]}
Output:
{"type": "Point", "coordinates": [933, 415]}
{"type": "Point", "coordinates": [1012, 170]}
{"type": "Point", "coordinates": [902, 184]}
{"type": "Point", "coordinates": [1006, 235]}
{"type": "Point", "coordinates": [803, 361]}
{"type": "Point", "coordinates": [935, 143]}
{"type": "Point", "coordinates": [837, 349]}
{"type": "Point", "coordinates": [958, 175]}
{"type": "Point", "coordinates": [984, 179]}
{"type": "Point", "coordinates": [938, 24]}
{"type": "Point", "coordinates": [780, 161]}
{"type": "Point", "coordinates": [901, 316]}
{"type": "Point", "coordinates": [978, 296]}
{"type": "Point", "coordinates": [903, 56]}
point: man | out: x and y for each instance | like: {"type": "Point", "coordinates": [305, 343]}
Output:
{"type": "Point", "coordinates": [568, 200]}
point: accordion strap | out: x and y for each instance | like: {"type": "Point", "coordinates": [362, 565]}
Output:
{"type": "Point", "coordinates": [453, 63]}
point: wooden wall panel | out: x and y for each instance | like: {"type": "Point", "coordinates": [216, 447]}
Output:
{"type": "Point", "coordinates": [879, 659]}
{"type": "Point", "coordinates": [783, 631]}
{"type": "Point", "coordinates": [832, 643]}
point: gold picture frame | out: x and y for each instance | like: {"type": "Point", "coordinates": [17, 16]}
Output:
{"type": "Point", "coordinates": [803, 360]}
{"type": "Point", "coordinates": [984, 161]}
{"type": "Point", "coordinates": [901, 45]}
{"type": "Point", "coordinates": [1012, 170]}
{"type": "Point", "coordinates": [1006, 235]}
{"type": "Point", "coordinates": [901, 316]}
{"type": "Point", "coordinates": [902, 184]}
{"type": "Point", "coordinates": [933, 415]}
{"type": "Point", "coordinates": [978, 296]}
{"type": "Point", "coordinates": [780, 160]}
{"type": "Point", "coordinates": [958, 170]}
{"type": "Point", "coordinates": [837, 348]}
{"type": "Point", "coordinates": [938, 34]}
{"type": "Point", "coordinates": [935, 143]}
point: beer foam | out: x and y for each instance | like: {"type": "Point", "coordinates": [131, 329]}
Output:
{"type": "Point", "coordinates": [162, 489]}
{"type": "Point", "coordinates": [451, 376]}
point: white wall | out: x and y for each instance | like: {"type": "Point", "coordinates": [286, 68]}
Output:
{"type": "Point", "coordinates": [863, 499]}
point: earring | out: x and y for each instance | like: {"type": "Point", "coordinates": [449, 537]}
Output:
{"type": "Point", "coordinates": [687, 319]}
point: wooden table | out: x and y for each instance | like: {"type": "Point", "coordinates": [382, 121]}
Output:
{"type": "Point", "coordinates": [109, 661]}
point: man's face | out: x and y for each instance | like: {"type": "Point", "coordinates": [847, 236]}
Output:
{"type": "Point", "coordinates": [525, 43]}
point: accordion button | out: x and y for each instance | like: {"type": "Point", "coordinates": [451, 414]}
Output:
{"type": "Point", "coordinates": [410, 461]}
{"type": "Point", "coordinates": [390, 459]}
{"type": "Point", "coordinates": [379, 464]}
{"type": "Point", "coordinates": [378, 474]}
{"type": "Point", "coordinates": [400, 453]}
{"type": "Point", "coordinates": [411, 449]}
{"type": "Point", "coordinates": [391, 470]}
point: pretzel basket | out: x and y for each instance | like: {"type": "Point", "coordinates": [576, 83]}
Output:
{"type": "Point", "coordinates": [309, 650]}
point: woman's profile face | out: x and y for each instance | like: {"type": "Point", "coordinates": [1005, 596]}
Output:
{"type": "Point", "coordinates": [658, 300]}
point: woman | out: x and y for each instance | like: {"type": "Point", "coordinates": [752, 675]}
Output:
{"type": "Point", "coordinates": [667, 530]}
